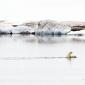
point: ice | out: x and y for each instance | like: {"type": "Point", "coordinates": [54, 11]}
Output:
{"type": "Point", "coordinates": [44, 27]}
{"type": "Point", "coordinates": [53, 26]}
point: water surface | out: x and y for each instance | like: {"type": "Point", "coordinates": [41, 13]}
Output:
{"type": "Point", "coordinates": [40, 60]}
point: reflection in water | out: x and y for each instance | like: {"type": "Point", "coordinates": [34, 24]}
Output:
{"type": "Point", "coordinates": [44, 39]}
{"type": "Point", "coordinates": [78, 40]}
{"type": "Point", "coordinates": [41, 39]}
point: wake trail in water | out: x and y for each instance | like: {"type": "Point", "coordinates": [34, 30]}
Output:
{"type": "Point", "coordinates": [31, 58]}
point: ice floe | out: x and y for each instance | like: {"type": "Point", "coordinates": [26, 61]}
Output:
{"type": "Point", "coordinates": [44, 27]}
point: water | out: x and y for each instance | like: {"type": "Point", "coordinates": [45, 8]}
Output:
{"type": "Point", "coordinates": [40, 60]}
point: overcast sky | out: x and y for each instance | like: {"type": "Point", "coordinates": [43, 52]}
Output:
{"type": "Point", "coordinates": [25, 10]}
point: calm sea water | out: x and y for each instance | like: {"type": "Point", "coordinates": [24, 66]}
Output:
{"type": "Point", "coordinates": [36, 60]}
